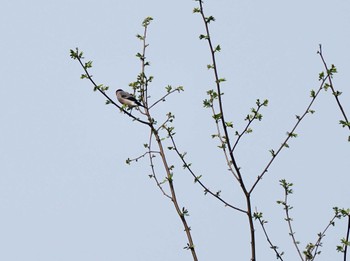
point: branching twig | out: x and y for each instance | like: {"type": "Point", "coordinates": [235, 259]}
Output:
{"type": "Point", "coordinates": [319, 239]}
{"type": "Point", "coordinates": [223, 146]}
{"type": "Point", "coordinates": [128, 161]}
{"type": "Point", "coordinates": [151, 156]}
{"type": "Point", "coordinates": [336, 94]}
{"type": "Point", "coordinates": [197, 178]}
{"type": "Point", "coordinates": [347, 238]}
{"type": "Point", "coordinates": [79, 56]}
{"type": "Point", "coordinates": [142, 85]}
{"type": "Point", "coordinates": [250, 118]}
{"type": "Point", "coordinates": [218, 80]}
{"type": "Point", "coordinates": [287, 190]}
{"type": "Point", "coordinates": [258, 216]}
{"type": "Point", "coordinates": [290, 134]}
{"type": "Point", "coordinates": [163, 98]}
{"type": "Point", "coordinates": [169, 175]}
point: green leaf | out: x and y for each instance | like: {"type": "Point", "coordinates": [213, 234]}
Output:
{"type": "Point", "coordinates": [207, 103]}
{"type": "Point", "coordinates": [332, 70]}
{"type": "Point", "coordinates": [217, 48]}
{"type": "Point", "coordinates": [337, 93]}
{"type": "Point", "coordinates": [140, 37]}
{"type": "Point", "coordinates": [73, 54]}
{"type": "Point", "coordinates": [197, 178]}
{"type": "Point", "coordinates": [76, 54]}
{"type": "Point", "coordinates": [326, 86]}
{"type": "Point", "coordinates": [88, 65]}
{"type": "Point", "coordinates": [217, 116]}
{"type": "Point", "coordinates": [168, 88]}
{"type": "Point", "coordinates": [210, 66]}
{"type": "Point", "coordinates": [229, 124]}
{"type": "Point", "coordinates": [312, 94]}
{"type": "Point", "coordinates": [202, 36]}
{"type": "Point", "coordinates": [147, 21]}
{"type": "Point", "coordinates": [249, 130]}
{"type": "Point", "coordinates": [210, 19]}
{"type": "Point", "coordinates": [292, 134]}
{"type": "Point", "coordinates": [344, 123]}
{"type": "Point", "coordinates": [180, 89]}
{"type": "Point", "coordinates": [222, 80]}
{"type": "Point", "coordinates": [321, 76]}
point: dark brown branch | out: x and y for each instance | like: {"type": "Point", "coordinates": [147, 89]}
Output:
{"type": "Point", "coordinates": [197, 179]}
{"type": "Point", "coordinates": [347, 238]}
{"type": "Point", "coordinates": [162, 98]}
{"type": "Point", "coordinates": [218, 87]}
{"type": "Point", "coordinates": [329, 74]}
{"type": "Point", "coordinates": [321, 236]}
{"type": "Point", "coordinates": [290, 134]}
{"type": "Point", "coordinates": [105, 95]}
{"type": "Point", "coordinates": [249, 211]}
{"type": "Point", "coordinates": [272, 246]}
{"type": "Point", "coordinates": [250, 121]}
{"type": "Point", "coordinates": [154, 132]}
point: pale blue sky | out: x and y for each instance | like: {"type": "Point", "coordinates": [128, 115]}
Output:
{"type": "Point", "coordinates": [65, 190]}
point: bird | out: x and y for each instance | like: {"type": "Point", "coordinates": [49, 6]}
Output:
{"type": "Point", "coordinates": [127, 99]}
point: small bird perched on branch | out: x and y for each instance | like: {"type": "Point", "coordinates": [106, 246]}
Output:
{"type": "Point", "coordinates": [127, 99]}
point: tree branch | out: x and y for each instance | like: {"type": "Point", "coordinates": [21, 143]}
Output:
{"type": "Point", "coordinates": [197, 178]}
{"type": "Point", "coordinates": [335, 93]}
{"type": "Point", "coordinates": [289, 134]}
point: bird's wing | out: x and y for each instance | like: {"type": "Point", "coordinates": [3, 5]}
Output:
{"type": "Point", "coordinates": [131, 98]}
{"type": "Point", "coordinates": [124, 95]}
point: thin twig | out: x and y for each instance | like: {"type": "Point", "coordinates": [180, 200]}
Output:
{"type": "Point", "coordinates": [321, 236]}
{"type": "Point", "coordinates": [150, 153]}
{"type": "Point", "coordinates": [197, 179]}
{"type": "Point", "coordinates": [223, 146]}
{"type": "Point", "coordinates": [272, 246]}
{"type": "Point", "coordinates": [347, 238]}
{"type": "Point", "coordinates": [329, 74]}
{"type": "Point", "coordinates": [289, 221]}
{"type": "Point", "coordinates": [290, 134]}
{"type": "Point", "coordinates": [218, 87]}
{"type": "Point", "coordinates": [143, 155]}
{"type": "Point", "coordinates": [104, 94]}
{"type": "Point", "coordinates": [250, 121]}
{"type": "Point", "coordinates": [162, 98]}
